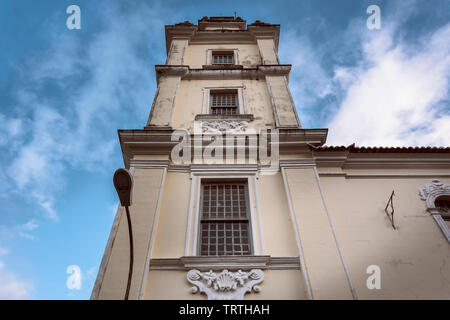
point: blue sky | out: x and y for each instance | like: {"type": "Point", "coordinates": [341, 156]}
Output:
{"type": "Point", "coordinates": [64, 93]}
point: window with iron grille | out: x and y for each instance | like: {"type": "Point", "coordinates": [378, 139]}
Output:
{"type": "Point", "coordinates": [444, 209]}
{"type": "Point", "coordinates": [222, 58]}
{"type": "Point", "coordinates": [224, 224]}
{"type": "Point", "coordinates": [224, 102]}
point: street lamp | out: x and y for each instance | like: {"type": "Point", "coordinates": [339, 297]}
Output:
{"type": "Point", "coordinates": [123, 182]}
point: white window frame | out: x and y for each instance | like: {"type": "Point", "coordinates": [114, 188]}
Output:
{"type": "Point", "coordinates": [430, 193]}
{"type": "Point", "coordinates": [443, 225]}
{"type": "Point", "coordinates": [438, 217]}
{"type": "Point", "coordinates": [209, 54]}
{"type": "Point", "coordinates": [206, 104]}
{"type": "Point", "coordinates": [193, 225]}
{"type": "Point", "coordinates": [245, 182]}
{"type": "Point", "coordinates": [222, 107]}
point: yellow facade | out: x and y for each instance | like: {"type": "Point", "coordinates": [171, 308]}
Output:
{"type": "Point", "coordinates": [317, 218]}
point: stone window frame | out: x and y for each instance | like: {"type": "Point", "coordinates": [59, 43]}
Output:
{"type": "Point", "coordinates": [209, 54]}
{"type": "Point", "coordinates": [240, 181]}
{"type": "Point", "coordinates": [193, 226]}
{"type": "Point", "coordinates": [432, 192]}
{"type": "Point", "coordinates": [206, 99]}
{"type": "Point", "coordinates": [221, 107]}
{"type": "Point", "coordinates": [227, 56]}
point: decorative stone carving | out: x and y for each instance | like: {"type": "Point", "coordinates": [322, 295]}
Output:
{"type": "Point", "coordinates": [225, 285]}
{"type": "Point", "coordinates": [432, 191]}
{"type": "Point", "coordinates": [223, 126]}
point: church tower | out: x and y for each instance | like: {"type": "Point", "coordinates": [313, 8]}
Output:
{"type": "Point", "coordinates": [228, 197]}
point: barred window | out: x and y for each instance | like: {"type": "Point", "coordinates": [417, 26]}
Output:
{"type": "Point", "coordinates": [224, 225]}
{"type": "Point", "coordinates": [224, 102]}
{"type": "Point", "coordinates": [223, 58]}
{"type": "Point", "coordinates": [442, 216]}
{"type": "Point", "coordinates": [444, 209]}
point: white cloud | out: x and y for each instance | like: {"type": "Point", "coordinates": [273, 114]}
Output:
{"type": "Point", "coordinates": [20, 230]}
{"type": "Point", "coordinates": [11, 287]}
{"type": "Point", "coordinates": [3, 251]}
{"type": "Point", "coordinates": [30, 225]}
{"type": "Point", "coordinates": [309, 79]}
{"type": "Point", "coordinates": [23, 230]}
{"type": "Point", "coordinates": [10, 128]}
{"type": "Point", "coordinates": [399, 99]}
{"type": "Point", "coordinates": [344, 76]}
{"type": "Point", "coordinates": [374, 87]}
{"type": "Point", "coordinates": [98, 85]}
{"type": "Point", "coordinates": [46, 202]}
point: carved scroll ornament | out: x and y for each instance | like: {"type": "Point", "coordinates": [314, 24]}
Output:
{"type": "Point", "coordinates": [223, 126]}
{"type": "Point", "coordinates": [432, 191]}
{"type": "Point", "coordinates": [225, 285]}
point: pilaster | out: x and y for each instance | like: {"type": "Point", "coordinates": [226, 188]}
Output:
{"type": "Point", "coordinates": [326, 270]}
{"type": "Point", "coordinates": [113, 274]}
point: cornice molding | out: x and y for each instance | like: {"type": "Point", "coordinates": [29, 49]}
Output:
{"type": "Point", "coordinates": [402, 161]}
{"type": "Point", "coordinates": [294, 141]}
{"type": "Point", "coordinates": [179, 32]}
{"type": "Point", "coordinates": [187, 73]}
{"type": "Point", "coordinates": [297, 163]}
{"type": "Point", "coordinates": [275, 69]}
{"type": "Point", "coordinates": [382, 176]}
{"type": "Point", "coordinates": [269, 31]}
{"type": "Point", "coordinates": [376, 160]}
{"type": "Point", "coordinates": [149, 163]}
{"type": "Point", "coordinates": [145, 142]}
{"type": "Point", "coordinates": [197, 34]}
{"type": "Point", "coordinates": [222, 37]}
{"type": "Point", "coordinates": [158, 142]}
{"type": "Point", "coordinates": [219, 23]}
{"type": "Point", "coordinates": [204, 169]}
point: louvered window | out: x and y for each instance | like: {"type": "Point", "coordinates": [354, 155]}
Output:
{"type": "Point", "coordinates": [224, 225]}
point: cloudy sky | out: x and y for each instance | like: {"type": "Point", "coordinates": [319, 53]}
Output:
{"type": "Point", "coordinates": [64, 93]}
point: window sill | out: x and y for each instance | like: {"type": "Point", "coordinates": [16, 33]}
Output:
{"type": "Point", "coordinates": [223, 66]}
{"type": "Point", "coordinates": [239, 117]}
{"type": "Point", "coordinates": [206, 263]}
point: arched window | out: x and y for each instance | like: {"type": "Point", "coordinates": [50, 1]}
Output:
{"type": "Point", "coordinates": [437, 197]}
{"type": "Point", "coordinates": [443, 205]}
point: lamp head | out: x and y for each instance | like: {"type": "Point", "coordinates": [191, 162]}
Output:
{"type": "Point", "coordinates": [123, 182]}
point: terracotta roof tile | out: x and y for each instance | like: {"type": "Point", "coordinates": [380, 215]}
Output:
{"type": "Point", "coordinates": [353, 148]}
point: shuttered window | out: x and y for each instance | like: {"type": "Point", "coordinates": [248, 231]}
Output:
{"type": "Point", "coordinates": [224, 225]}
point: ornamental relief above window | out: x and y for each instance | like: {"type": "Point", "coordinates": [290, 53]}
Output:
{"type": "Point", "coordinates": [437, 197]}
